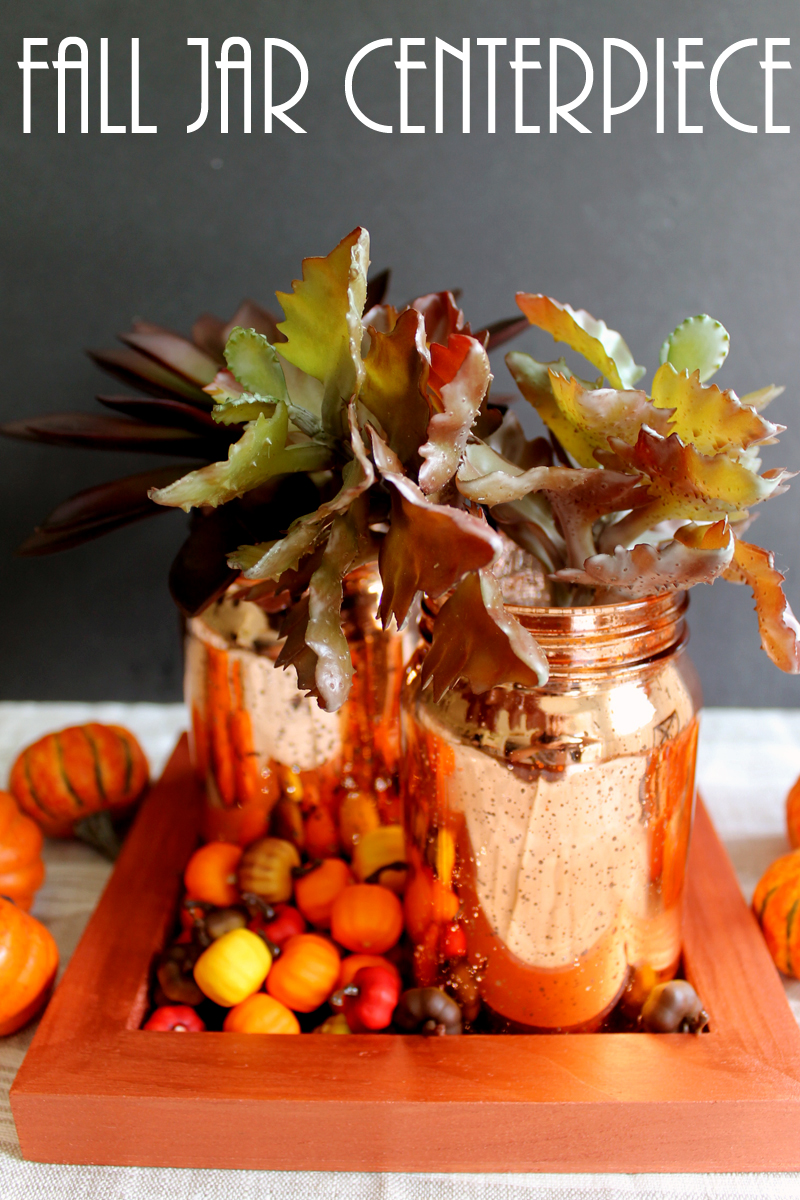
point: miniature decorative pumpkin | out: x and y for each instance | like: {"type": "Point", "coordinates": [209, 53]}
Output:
{"type": "Point", "coordinates": [335, 1024]}
{"type": "Point", "coordinates": [286, 922]}
{"type": "Point", "coordinates": [266, 869]}
{"type": "Point", "coordinates": [793, 815]}
{"type": "Point", "coordinates": [261, 1014]}
{"type": "Point", "coordinates": [358, 815]}
{"type": "Point", "coordinates": [378, 850]}
{"type": "Point", "coordinates": [370, 999]}
{"type": "Point", "coordinates": [174, 1018]}
{"type": "Point", "coordinates": [776, 901]}
{"type": "Point", "coordinates": [68, 776]}
{"type": "Point", "coordinates": [320, 835]}
{"type": "Point", "coordinates": [210, 874]}
{"type": "Point", "coordinates": [21, 866]}
{"type": "Point", "coordinates": [367, 918]}
{"type": "Point", "coordinates": [28, 964]}
{"type": "Point", "coordinates": [306, 973]}
{"type": "Point", "coordinates": [316, 891]}
{"type": "Point", "coordinates": [354, 963]}
{"type": "Point", "coordinates": [233, 967]}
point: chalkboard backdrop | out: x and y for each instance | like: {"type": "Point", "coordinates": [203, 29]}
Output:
{"type": "Point", "coordinates": [640, 227]}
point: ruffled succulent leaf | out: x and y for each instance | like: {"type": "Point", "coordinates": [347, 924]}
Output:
{"type": "Point", "coordinates": [252, 316]}
{"type": "Point", "coordinates": [460, 378]}
{"type": "Point", "coordinates": [260, 454]}
{"type": "Point", "coordinates": [255, 364]}
{"type": "Point", "coordinates": [199, 574]}
{"type": "Point", "coordinates": [476, 639]}
{"type": "Point", "coordinates": [101, 432]}
{"type": "Point", "coordinates": [324, 634]}
{"type": "Point", "coordinates": [428, 547]}
{"type": "Point", "coordinates": [604, 348]}
{"type": "Point", "coordinates": [710, 419]}
{"type": "Point", "coordinates": [535, 383]}
{"type": "Point", "coordinates": [442, 316]}
{"type": "Point", "coordinates": [148, 376]}
{"type": "Point", "coordinates": [238, 410]}
{"type": "Point", "coordinates": [685, 484]}
{"type": "Point", "coordinates": [763, 396]}
{"type": "Point", "coordinates": [510, 441]}
{"type": "Point", "coordinates": [323, 328]}
{"type": "Point", "coordinates": [270, 561]}
{"type": "Point", "coordinates": [697, 554]}
{"type": "Point", "coordinates": [395, 375]}
{"type": "Point", "coordinates": [98, 510]}
{"type": "Point", "coordinates": [294, 651]}
{"type": "Point", "coordinates": [172, 350]}
{"type": "Point", "coordinates": [698, 344]}
{"type": "Point", "coordinates": [778, 626]}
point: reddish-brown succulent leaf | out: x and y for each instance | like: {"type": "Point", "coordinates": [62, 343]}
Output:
{"type": "Point", "coordinates": [428, 548]}
{"type": "Point", "coordinates": [395, 376]}
{"type": "Point", "coordinates": [710, 419]}
{"type": "Point", "coordinates": [97, 510]}
{"type": "Point", "coordinates": [207, 333]}
{"type": "Point", "coordinates": [250, 315]}
{"type": "Point", "coordinates": [164, 411]}
{"type": "Point", "coordinates": [174, 351]}
{"type": "Point", "coordinates": [460, 378]}
{"type": "Point", "coordinates": [476, 639]}
{"type": "Point", "coordinates": [778, 626]}
{"type": "Point", "coordinates": [500, 332]}
{"type": "Point", "coordinates": [377, 287]}
{"type": "Point", "coordinates": [100, 432]}
{"type": "Point", "coordinates": [684, 484]}
{"type": "Point", "coordinates": [200, 574]}
{"type": "Point", "coordinates": [224, 386]}
{"type": "Point", "coordinates": [295, 652]}
{"type": "Point", "coordinates": [442, 316]}
{"type": "Point", "coordinates": [148, 376]}
{"type": "Point", "coordinates": [509, 440]}
{"type": "Point", "coordinates": [697, 554]}
{"type": "Point", "coordinates": [324, 634]}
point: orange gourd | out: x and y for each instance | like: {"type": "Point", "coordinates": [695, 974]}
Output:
{"type": "Point", "coordinates": [793, 815]}
{"type": "Point", "coordinates": [28, 964]}
{"type": "Point", "coordinates": [306, 973]}
{"type": "Point", "coordinates": [261, 1014]}
{"type": "Point", "coordinates": [776, 903]}
{"type": "Point", "coordinates": [21, 866]}
{"type": "Point", "coordinates": [316, 891]}
{"type": "Point", "coordinates": [210, 874]}
{"type": "Point", "coordinates": [68, 776]}
{"type": "Point", "coordinates": [367, 918]}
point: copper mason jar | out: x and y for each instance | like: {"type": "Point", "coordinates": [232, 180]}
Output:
{"type": "Point", "coordinates": [547, 828]}
{"type": "Point", "coordinates": [265, 752]}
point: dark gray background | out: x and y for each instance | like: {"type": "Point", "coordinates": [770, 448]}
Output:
{"type": "Point", "coordinates": [641, 229]}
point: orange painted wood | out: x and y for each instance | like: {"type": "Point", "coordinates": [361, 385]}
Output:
{"type": "Point", "coordinates": [94, 1088]}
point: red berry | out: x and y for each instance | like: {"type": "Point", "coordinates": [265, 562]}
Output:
{"type": "Point", "coordinates": [378, 990]}
{"type": "Point", "coordinates": [452, 941]}
{"type": "Point", "coordinates": [285, 924]}
{"type": "Point", "coordinates": [174, 1018]}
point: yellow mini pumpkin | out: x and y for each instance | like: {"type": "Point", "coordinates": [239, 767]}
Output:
{"type": "Point", "coordinates": [233, 967]}
{"type": "Point", "coordinates": [776, 903]}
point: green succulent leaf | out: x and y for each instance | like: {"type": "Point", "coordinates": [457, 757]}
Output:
{"type": "Point", "coordinates": [604, 348]}
{"type": "Point", "coordinates": [698, 344]}
{"type": "Point", "coordinates": [238, 410]}
{"type": "Point", "coordinates": [395, 374]}
{"type": "Point", "coordinates": [260, 454]}
{"type": "Point", "coordinates": [254, 362]}
{"type": "Point", "coordinates": [323, 328]}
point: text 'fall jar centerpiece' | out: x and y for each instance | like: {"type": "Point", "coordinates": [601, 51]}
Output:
{"type": "Point", "coordinates": [528, 757]}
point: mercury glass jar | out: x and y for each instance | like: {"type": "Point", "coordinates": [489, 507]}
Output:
{"type": "Point", "coordinates": [257, 742]}
{"type": "Point", "coordinates": [547, 828]}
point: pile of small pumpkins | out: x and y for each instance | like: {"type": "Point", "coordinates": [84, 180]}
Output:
{"type": "Point", "coordinates": [63, 780]}
{"type": "Point", "coordinates": [271, 944]}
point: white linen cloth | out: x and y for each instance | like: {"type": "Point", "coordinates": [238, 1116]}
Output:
{"type": "Point", "coordinates": [748, 760]}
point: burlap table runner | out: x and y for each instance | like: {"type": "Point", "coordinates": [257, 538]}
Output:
{"type": "Point", "coordinates": [748, 760]}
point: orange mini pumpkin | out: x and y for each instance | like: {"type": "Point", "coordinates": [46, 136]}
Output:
{"type": "Point", "coordinates": [793, 815]}
{"type": "Point", "coordinates": [316, 891]}
{"type": "Point", "coordinates": [21, 866]}
{"type": "Point", "coordinates": [306, 973]}
{"type": "Point", "coordinates": [261, 1014]}
{"type": "Point", "coordinates": [68, 776]}
{"type": "Point", "coordinates": [367, 918]}
{"type": "Point", "coordinates": [210, 874]}
{"type": "Point", "coordinates": [776, 904]}
{"type": "Point", "coordinates": [28, 964]}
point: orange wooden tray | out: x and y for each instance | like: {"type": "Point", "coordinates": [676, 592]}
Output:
{"type": "Point", "coordinates": [94, 1088]}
